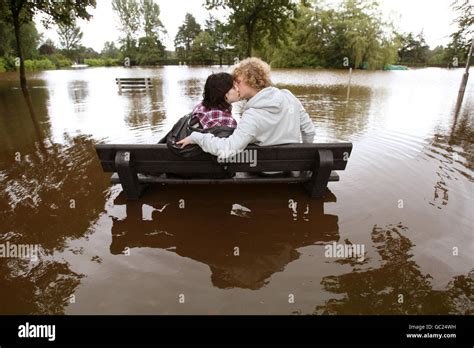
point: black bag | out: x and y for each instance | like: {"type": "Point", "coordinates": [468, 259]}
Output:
{"type": "Point", "coordinates": [183, 128]}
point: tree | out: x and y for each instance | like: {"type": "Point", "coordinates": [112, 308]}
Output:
{"type": "Point", "coordinates": [186, 35]}
{"type": "Point", "coordinates": [465, 18]}
{"type": "Point", "coordinates": [437, 56]}
{"type": "Point", "coordinates": [150, 48]}
{"type": "Point", "coordinates": [414, 50]}
{"type": "Point", "coordinates": [362, 36]}
{"type": "Point", "coordinates": [21, 12]}
{"type": "Point", "coordinates": [70, 36]}
{"type": "Point", "coordinates": [110, 51]}
{"type": "Point", "coordinates": [202, 49]}
{"type": "Point", "coordinates": [257, 18]}
{"type": "Point", "coordinates": [150, 51]}
{"type": "Point", "coordinates": [141, 24]}
{"type": "Point", "coordinates": [308, 42]}
{"type": "Point", "coordinates": [458, 47]}
{"type": "Point", "coordinates": [128, 12]}
{"type": "Point", "coordinates": [47, 48]}
{"type": "Point", "coordinates": [320, 36]}
{"type": "Point", "coordinates": [152, 25]}
{"type": "Point", "coordinates": [219, 34]}
{"type": "Point", "coordinates": [29, 37]}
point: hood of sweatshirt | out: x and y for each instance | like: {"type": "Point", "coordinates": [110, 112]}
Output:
{"type": "Point", "coordinates": [269, 99]}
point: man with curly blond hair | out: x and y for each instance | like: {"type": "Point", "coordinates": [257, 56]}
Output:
{"type": "Point", "coordinates": [271, 116]}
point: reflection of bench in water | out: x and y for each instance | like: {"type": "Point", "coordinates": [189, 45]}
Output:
{"type": "Point", "coordinates": [313, 165]}
{"type": "Point", "coordinates": [206, 225]}
{"type": "Point", "coordinates": [133, 84]}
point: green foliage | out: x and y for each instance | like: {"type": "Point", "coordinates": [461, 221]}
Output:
{"type": "Point", "coordinates": [202, 50]}
{"type": "Point", "coordinates": [101, 62]}
{"type": "Point", "coordinates": [136, 17]}
{"type": "Point", "coordinates": [47, 48]}
{"type": "Point", "coordinates": [70, 36]}
{"type": "Point", "coordinates": [110, 51]}
{"type": "Point", "coordinates": [20, 13]}
{"type": "Point", "coordinates": [464, 20]}
{"type": "Point", "coordinates": [60, 61]}
{"type": "Point", "coordinates": [150, 51]}
{"type": "Point", "coordinates": [437, 56]}
{"type": "Point", "coordinates": [186, 35]}
{"type": "Point", "coordinates": [151, 22]}
{"type": "Point", "coordinates": [29, 36]}
{"type": "Point", "coordinates": [39, 64]}
{"type": "Point", "coordinates": [414, 50]}
{"type": "Point", "coordinates": [9, 63]}
{"type": "Point", "coordinates": [324, 37]}
{"type": "Point", "coordinates": [252, 20]}
{"type": "Point", "coordinates": [3, 65]}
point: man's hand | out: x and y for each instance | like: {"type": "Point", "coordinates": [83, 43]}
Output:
{"type": "Point", "coordinates": [185, 141]}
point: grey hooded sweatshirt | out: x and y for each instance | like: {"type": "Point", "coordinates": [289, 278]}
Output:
{"type": "Point", "coordinates": [272, 117]}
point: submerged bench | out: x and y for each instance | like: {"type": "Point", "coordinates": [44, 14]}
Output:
{"type": "Point", "coordinates": [312, 165]}
{"type": "Point", "coordinates": [133, 84]}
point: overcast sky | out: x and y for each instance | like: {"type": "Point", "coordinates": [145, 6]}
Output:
{"type": "Point", "coordinates": [434, 17]}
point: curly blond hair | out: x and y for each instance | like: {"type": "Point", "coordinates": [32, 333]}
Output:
{"type": "Point", "coordinates": [254, 71]}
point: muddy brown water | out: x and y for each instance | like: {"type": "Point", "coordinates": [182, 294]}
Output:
{"type": "Point", "coordinates": [406, 196]}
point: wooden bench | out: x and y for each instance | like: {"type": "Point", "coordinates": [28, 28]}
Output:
{"type": "Point", "coordinates": [312, 165]}
{"type": "Point", "coordinates": [133, 84]}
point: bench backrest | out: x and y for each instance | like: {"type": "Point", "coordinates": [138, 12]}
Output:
{"type": "Point", "coordinates": [157, 158]}
{"type": "Point", "coordinates": [133, 82]}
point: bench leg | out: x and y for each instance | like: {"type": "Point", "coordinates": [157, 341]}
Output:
{"type": "Point", "coordinates": [318, 183]}
{"type": "Point", "coordinates": [128, 175]}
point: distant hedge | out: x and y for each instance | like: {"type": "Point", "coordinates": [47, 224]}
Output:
{"type": "Point", "coordinates": [102, 62]}
{"type": "Point", "coordinates": [56, 61]}
{"type": "Point", "coordinates": [41, 64]}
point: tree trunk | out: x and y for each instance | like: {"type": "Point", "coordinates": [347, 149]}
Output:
{"type": "Point", "coordinates": [23, 83]}
{"type": "Point", "coordinates": [16, 24]}
{"type": "Point", "coordinates": [249, 30]}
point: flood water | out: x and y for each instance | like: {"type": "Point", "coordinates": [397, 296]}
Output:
{"type": "Point", "coordinates": [406, 196]}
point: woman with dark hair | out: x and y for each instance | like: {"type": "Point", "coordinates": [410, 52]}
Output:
{"type": "Point", "coordinates": [216, 109]}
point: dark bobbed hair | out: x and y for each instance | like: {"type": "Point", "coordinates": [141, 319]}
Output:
{"type": "Point", "coordinates": [215, 89]}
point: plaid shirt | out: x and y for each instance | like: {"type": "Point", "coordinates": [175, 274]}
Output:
{"type": "Point", "coordinates": [214, 117]}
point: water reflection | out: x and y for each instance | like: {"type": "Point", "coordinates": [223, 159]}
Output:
{"type": "Point", "coordinates": [78, 93]}
{"type": "Point", "coordinates": [453, 153]}
{"type": "Point", "coordinates": [44, 287]}
{"type": "Point", "coordinates": [398, 286]}
{"type": "Point", "coordinates": [334, 116]}
{"type": "Point", "coordinates": [266, 227]}
{"type": "Point", "coordinates": [50, 195]}
{"type": "Point", "coordinates": [23, 117]}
